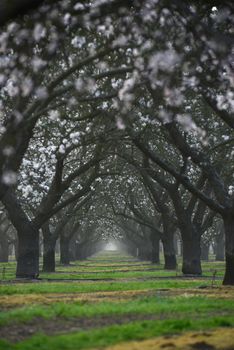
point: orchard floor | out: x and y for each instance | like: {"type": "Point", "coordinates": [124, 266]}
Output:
{"type": "Point", "coordinates": [113, 301]}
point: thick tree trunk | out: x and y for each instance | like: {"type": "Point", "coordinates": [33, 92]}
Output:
{"type": "Point", "coordinates": [155, 259]}
{"type": "Point", "coordinates": [49, 242]}
{"type": "Point", "coordinates": [16, 248]}
{"type": "Point", "coordinates": [176, 241]}
{"type": "Point", "coordinates": [229, 249]}
{"type": "Point", "coordinates": [49, 254]}
{"type": "Point", "coordinates": [219, 245]}
{"type": "Point", "coordinates": [78, 252]}
{"type": "Point", "coordinates": [191, 255]}
{"type": "Point", "coordinates": [4, 248]}
{"type": "Point", "coordinates": [28, 238]}
{"type": "Point", "coordinates": [64, 251]}
{"type": "Point", "coordinates": [73, 246]}
{"type": "Point", "coordinates": [190, 235]}
{"type": "Point", "coordinates": [28, 252]}
{"type": "Point", "coordinates": [205, 251]}
{"type": "Point", "coordinates": [168, 244]}
{"type": "Point", "coordinates": [169, 250]}
{"type": "Point", "coordinates": [145, 254]}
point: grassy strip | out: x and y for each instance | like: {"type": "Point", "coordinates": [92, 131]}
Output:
{"type": "Point", "coordinates": [115, 265]}
{"type": "Point", "coordinates": [107, 336]}
{"type": "Point", "coordinates": [111, 274]}
{"type": "Point", "coordinates": [150, 305]}
{"type": "Point", "coordinates": [86, 287]}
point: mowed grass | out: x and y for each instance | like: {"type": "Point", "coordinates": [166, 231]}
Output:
{"type": "Point", "coordinates": [157, 305]}
{"type": "Point", "coordinates": [101, 338]}
{"type": "Point", "coordinates": [146, 303]}
{"type": "Point", "coordinates": [113, 267]}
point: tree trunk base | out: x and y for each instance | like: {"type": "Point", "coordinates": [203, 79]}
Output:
{"type": "Point", "coordinates": [229, 272]}
{"type": "Point", "coordinates": [170, 262]}
{"type": "Point", "coordinates": [192, 268]}
{"type": "Point", "coordinates": [49, 261]}
{"type": "Point", "coordinates": [28, 258]}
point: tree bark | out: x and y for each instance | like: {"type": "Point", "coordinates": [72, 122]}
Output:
{"type": "Point", "coordinates": [4, 248]}
{"type": "Point", "coordinates": [28, 252]}
{"type": "Point", "coordinates": [28, 238]}
{"type": "Point", "coordinates": [191, 255]}
{"type": "Point", "coordinates": [229, 249]}
{"type": "Point", "coordinates": [219, 245]}
{"type": "Point", "coordinates": [168, 248]}
{"type": "Point", "coordinates": [155, 259]}
{"type": "Point", "coordinates": [64, 251]}
{"type": "Point", "coordinates": [205, 251]}
{"type": "Point", "coordinates": [169, 254]}
{"type": "Point", "coordinates": [49, 243]}
{"type": "Point", "coordinates": [16, 248]}
{"type": "Point", "coordinates": [191, 237]}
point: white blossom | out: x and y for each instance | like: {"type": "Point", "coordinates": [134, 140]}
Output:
{"type": "Point", "coordinates": [9, 177]}
{"type": "Point", "coordinates": [78, 41]}
{"type": "Point", "coordinates": [62, 149]}
{"type": "Point", "coordinates": [54, 115]}
{"type": "Point", "coordinates": [26, 87]}
{"type": "Point", "coordinates": [12, 89]}
{"type": "Point", "coordinates": [120, 124]}
{"type": "Point", "coordinates": [39, 32]}
{"type": "Point", "coordinates": [41, 93]}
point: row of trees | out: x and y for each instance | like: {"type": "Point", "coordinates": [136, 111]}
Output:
{"type": "Point", "coordinates": [91, 90]}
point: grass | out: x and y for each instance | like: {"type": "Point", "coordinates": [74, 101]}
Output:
{"type": "Point", "coordinates": [177, 304]}
{"type": "Point", "coordinates": [105, 267]}
{"type": "Point", "coordinates": [156, 305]}
{"type": "Point", "coordinates": [76, 287]}
{"type": "Point", "coordinates": [115, 334]}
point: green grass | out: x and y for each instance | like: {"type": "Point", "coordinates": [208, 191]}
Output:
{"type": "Point", "coordinates": [110, 274]}
{"type": "Point", "coordinates": [113, 263]}
{"type": "Point", "coordinates": [76, 287]}
{"type": "Point", "coordinates": [107, 336]}
{"type": "Point", "coordinates": [156, 305]}
{"type": "Point", "coordinates": [174, 314]}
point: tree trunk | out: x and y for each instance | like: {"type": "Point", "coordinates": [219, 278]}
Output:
{"type": "Point", "coordinates": [64, 251]}
{"type": "Point", "coordinates": [176, 241]}
{"type": "Point", "coordinates": [49, 242]}
{"type": "Point", "coordinates": [16, 248]}
{"type": "Point", "coordinates": [191, 255]}
{"type": "Point", "coordinates": [4, 248]}
{"type": "Point", "coordinates": [219, 245]}
{"type": "Point", "coordinates": [146, 254]}
{"type": "Point", "coordinates": [169, 255]}
{"type": "Point", "coordinates": [155, 248]}
{"type": "Point", "coordinates": [78, 251]}
{"type": "Point", "coordinates": [205, 251]}
{"type": "Point", "coordinates": [169, 249]}
{"type": "Point", "coordinates": [28, 252]}
{"type": "Point", "coordinates": [191, 237]}
{"type": "Point", "coordinates": [28, 237]}
{"type": "Point", "coordinates": [229, 249]}
{"type": "Point", "coordinates": [49, 254]}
